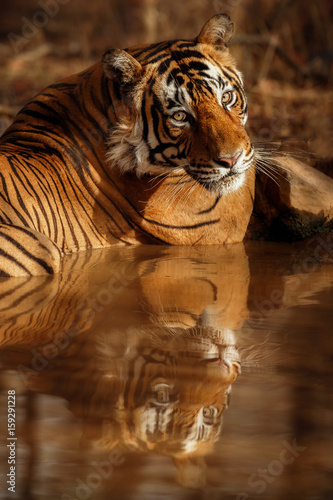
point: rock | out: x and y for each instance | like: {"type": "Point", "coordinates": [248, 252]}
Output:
{"type": "Point", "coordinates": [296, 204]}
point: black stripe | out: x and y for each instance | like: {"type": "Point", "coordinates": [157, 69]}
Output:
{"type": "Point", "coordinates": [52, 120]}
{"type": "Point", "coordinates": [25, 183]}
{"type": "Point", "coordinates": [56, 189]}
{"type": "Point", "coordinates": [4, 187]}
{"type": "Point", "coordinates": [213, 286]}
{"type": "Point", "coordinates": [22, 297]}
{"type": "Point", "coordinates": [17, 213]}
{"type": "Point", "coordinates": [39, 261]}
{"type": "Point", "coordinates": [187, 44]}
{"type": "Point", "coordinates": [38, 222]}
{"type": "Point", "coordinates": [26, 231]}
{"type": "Point", "coordinates": [147, 53]}
{"type": "Point", "coordinates": [167, 60]}
{"type": "Point", "coordinates": [211, 207]}
{"type": "Point", "coordinates": [4, 254]}
{"type": "Point", "coordinates": [176, 77]}
{"type": "Point", "coordinates": [4, 219]}
{"type": "Point", "coordinates": [179, 55]}
{"type": "Point", "coordinates": [156, 109]}
{"type": "Point", "coordinates": [194, 226]}
{"type": "Point", "coordinates": [144, 119]}
{"type": "Point", "coordinates": [231, 70]}
{"type": "Point", "coordinates": [45, 187]}
{"type": "Point", "coordinates": [65, 86]}
{"type": "Point", "coordinates": [75, 187]}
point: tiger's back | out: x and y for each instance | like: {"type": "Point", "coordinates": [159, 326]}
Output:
{"type": "Point", "coordinates": [148, 146]}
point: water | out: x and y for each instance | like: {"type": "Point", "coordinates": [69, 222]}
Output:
{"type": "Point", "coordinates": [171, 373]}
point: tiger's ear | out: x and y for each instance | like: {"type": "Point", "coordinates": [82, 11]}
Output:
{"type": "Point", "coordinates": [217, 31]}
{"type": "Point", "coordinates": [120, 66]}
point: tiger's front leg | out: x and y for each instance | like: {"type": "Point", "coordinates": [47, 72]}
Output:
{"type": "Point", "coordinates": [26, 252]}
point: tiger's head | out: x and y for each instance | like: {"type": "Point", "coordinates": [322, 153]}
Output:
{"type": "Point", "coordinates": [182, 110]}
{"type": "Point", "coordinates": [166, 396]}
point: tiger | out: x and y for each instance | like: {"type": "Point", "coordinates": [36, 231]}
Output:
{"type": "Point", "coordinates": [147, 146]}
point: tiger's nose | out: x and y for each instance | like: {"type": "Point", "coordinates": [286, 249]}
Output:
{"type": "Point", "coordinates": [228, 161]}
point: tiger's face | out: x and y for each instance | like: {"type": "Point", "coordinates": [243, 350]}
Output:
{"type": "Point", "coordinates": [169, 394]}
{"type": "Point", "coordinates": [187, 110]}
{"type": "Point", "coordinates": [180, 411]}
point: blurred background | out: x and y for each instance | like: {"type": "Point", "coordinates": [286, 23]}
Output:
{"type": "Point", "coordinates": [283, 47]}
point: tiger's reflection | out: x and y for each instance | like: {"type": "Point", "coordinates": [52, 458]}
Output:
{"type": "Point", "coordinates": [167, 399]}
{"type": "Point", "coordinates": [149, 370]}
{"type": "Point", "coordinates": [139, 342]}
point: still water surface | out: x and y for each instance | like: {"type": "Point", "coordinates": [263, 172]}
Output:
{"type": "Point", "coordinates": [171, 373]}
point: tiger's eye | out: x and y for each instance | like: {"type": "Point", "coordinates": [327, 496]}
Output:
{"type": "Point", "coordinates": [227, 97]}
{"type": "Point", "coordinates": [161, 393]}
{"type": "Point", "coordinates": [209, 414]}
{"type": "Point", "coordinates": [162, 396]}
{"type": "Point", "coordinates": [179, 116]}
